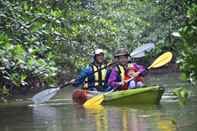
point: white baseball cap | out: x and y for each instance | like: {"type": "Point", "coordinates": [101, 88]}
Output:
{"type": "Point", "coordinates": [98, 51]}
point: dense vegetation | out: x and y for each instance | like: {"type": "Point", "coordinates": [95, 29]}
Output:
{"type": "Point", "coordinates": [188, 41]}
{"type": "Point", "coordinates": [42, 40]}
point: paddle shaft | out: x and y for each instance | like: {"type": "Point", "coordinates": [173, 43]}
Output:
{"type": "Point", "coordinates": [67, 83]}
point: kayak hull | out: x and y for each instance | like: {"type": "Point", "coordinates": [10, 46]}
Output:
{"type": "Point", "coordinates": [146, 95]}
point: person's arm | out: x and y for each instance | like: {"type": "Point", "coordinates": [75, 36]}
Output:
{"type": "Point", "coordinates": [84, 73]}
{"type": "Point", "coordinates": [112, 79]}
{"type": "Point", "coordinates": [141, 69]}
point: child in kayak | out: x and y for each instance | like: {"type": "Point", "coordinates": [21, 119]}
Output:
{"type": "Point", "coordinates": [133, 76]}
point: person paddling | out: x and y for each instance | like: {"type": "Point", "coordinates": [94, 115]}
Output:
{"type": "Point", "coordinates": [90, 81]}
{"type": "Point", "coordinates": [118, 78]}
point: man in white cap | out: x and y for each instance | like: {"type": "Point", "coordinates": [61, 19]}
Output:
{"type": "Point", "coordinates": [90, 80]}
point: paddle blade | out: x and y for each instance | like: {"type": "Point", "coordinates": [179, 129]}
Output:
{"type": "Point", "coordinates": [140, 51]}
{"type": "Point", "coordinates": [94, 101]}
{"type": "Point", "coordinates": [45, 95]}
{"type": "Point", "coordinates": [161, 60]}
{"type": "Point", "coordinates": [142, 54]}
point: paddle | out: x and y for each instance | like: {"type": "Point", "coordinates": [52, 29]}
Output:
{"type": "Point", "coordinates": [160, 61]}
{"type": "Point", "coordinates": [47, 94]}
{"type": "Point", "coordinates": [140, 51]}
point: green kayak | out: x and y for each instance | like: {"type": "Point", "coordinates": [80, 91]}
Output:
{"type": "Point", "coordinates": [143, 95]}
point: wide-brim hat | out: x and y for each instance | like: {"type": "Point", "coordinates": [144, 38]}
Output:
{"type": "Point", "coordinates": [121, 52]}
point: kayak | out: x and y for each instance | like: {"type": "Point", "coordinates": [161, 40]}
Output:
{"type": "Point", "coordinates": [146, 95]}
{"type": "Point", "coordinates": [142, 95]}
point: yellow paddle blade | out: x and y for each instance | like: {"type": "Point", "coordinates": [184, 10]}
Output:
{"type": "Point", "coordinates": [94, 101]}
{"type": "Point", "coordinates": [161, 60]}
{"type": "Point", "coordinates": [95, 109]}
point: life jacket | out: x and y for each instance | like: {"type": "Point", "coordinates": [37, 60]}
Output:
{"type": "Point", "coordinates": [98, 79]}
{"type": "Point", "coordinates": [122, 71]}
{"type": "Point", "coordinates": [135, 69]}
{"type": "Point", "coordinates": [123, 74]}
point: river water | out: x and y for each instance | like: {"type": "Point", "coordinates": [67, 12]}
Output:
{"type": "Point", "coordinates": [62, 115]}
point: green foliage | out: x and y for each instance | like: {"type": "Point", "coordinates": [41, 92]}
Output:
{"type": "Point", "coordinates": [182, 94]}
{"type": "Point", "coordinates": [40, 39]}
{"type": "Point", "coordinates": [18, 65]}
{"type": "Point", "coordinates": [188, 55]}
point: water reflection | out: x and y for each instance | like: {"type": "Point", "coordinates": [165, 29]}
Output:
{"type": "Point", "coordinates": [129, 119]}
{"type": "Point", "coordinates": [166, 125]}
{"type": "Point", "coordinates": [46, 117]}
{"type": "Point", "coordinates": [58, 117]}
{"type": "Point", "coordinates": [101, 119]}
{"type": "Point", "coordinates": [65, 116]}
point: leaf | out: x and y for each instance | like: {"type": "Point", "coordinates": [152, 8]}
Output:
{"type": "Point", "coordinates": [183, 76]}
{"type": "Point", "coordinates": [19, 52]}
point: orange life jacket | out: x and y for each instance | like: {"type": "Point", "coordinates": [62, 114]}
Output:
{"type": "Point", "coordinates": [125, 76]}
{"type": "Point", "coordinates": [134, 68]}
